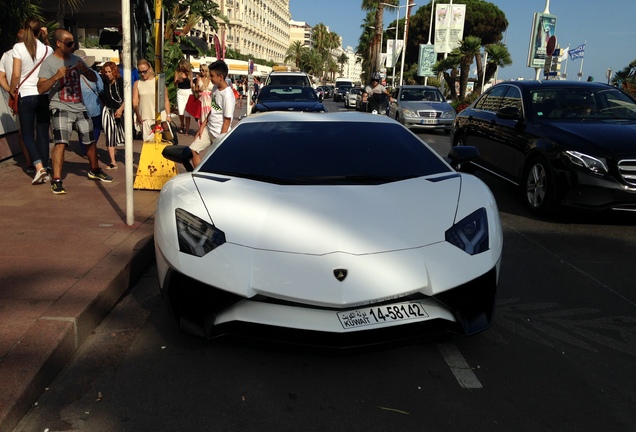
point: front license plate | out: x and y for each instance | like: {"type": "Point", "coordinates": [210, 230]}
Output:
{"type": "Point", "coordinates": [428, 121]}
{"type": "Point", "coordinates": [377, 315]}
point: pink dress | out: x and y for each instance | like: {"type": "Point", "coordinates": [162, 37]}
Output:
{"type": "Point", "coordinates": [205, 96]}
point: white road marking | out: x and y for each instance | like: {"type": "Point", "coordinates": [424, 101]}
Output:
{"type": "Point", "coordinates": [458, 365]}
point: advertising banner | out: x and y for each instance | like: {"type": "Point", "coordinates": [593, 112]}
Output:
{"type": "Point", "coordinates": [426, 61]}
{"type": "Point", "coordinates": [449, 24]}
{"type": "Point", "coordinates": [543, 28]}
{"type": "Point", "coordinates": [393, 53]}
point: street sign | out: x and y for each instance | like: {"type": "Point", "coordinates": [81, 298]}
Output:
{"type": "Point", "coordinates": [552, 43]}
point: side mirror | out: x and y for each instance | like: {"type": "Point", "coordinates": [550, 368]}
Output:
{"type": "Point", "coordinates": [509, 112]}
{"type": "Point", "coordinates": [180, 154]}
{"type": "Point", "coordinates": [462, 154]}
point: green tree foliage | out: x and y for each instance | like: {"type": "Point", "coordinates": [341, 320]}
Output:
{"type": "Point", "coordinates": [317, 60]}
{"type": "Point", "coordinates": [365, 43]}
{"type": "Point", "coordinates": [295, 53]}
{"type": "Point", "coordinates": [625, 79]}
{"type": "Point", "coordinates": [375, 7]}
{"type": "Point", "coordinates": [180, 17]}
{"type": "Point", "coordinates": [484, 20]}
{"type": "Point", "coordinates": [13, 14]}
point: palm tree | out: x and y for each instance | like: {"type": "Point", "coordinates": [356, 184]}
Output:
{"type": "Point", "coordinates": [451, 63]}
{"type": "Point", "coordinates": [342, 60]}
{"type": "Point", "coordinates": [295, 53]}
{"type": "Point", "coordinates": [467, 50]}
{"type": "Point", "coordinates": [378, 25]}
{"type": "Point", "coordinates": [363, 50]}
{"type": "Point", "coordinates": [498, 56]}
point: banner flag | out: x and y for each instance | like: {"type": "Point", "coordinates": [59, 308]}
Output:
{"type": "Point", "coordinates": [217, 48]}
{"type": "Point", "coordinates": [577, 52]}
{"type": "Point", "coordinates": [449, 23]}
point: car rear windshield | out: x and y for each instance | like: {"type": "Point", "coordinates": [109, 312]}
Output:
{"type": "Point", "coordinates": [287, 94]}
{"type": "Point", "coordinates": [323, 153]}
{"type": "Point", "coordinates": [296, 80]}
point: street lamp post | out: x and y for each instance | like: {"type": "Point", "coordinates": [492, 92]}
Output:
{"type": "Point", "coordinates": [406, 30]}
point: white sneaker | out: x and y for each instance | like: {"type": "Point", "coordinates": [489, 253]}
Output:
{"type": "Point", "coordinates": [41, 177]}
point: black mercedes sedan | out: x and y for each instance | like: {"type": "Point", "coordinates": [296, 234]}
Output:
{"type": "Point", "coordinates": [564, 143]}
{"type": "Point", "coordinates": [288, 98]}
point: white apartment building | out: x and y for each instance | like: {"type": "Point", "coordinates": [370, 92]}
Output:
{"type": "Point", "coordinates": [260, 28]}
{"type": "Point", "coordinates": [302, 32]}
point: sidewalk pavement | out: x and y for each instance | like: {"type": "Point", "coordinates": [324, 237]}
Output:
{"type": "Point", "coordinates": [65, 260]}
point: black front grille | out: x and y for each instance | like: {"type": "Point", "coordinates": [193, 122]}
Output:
{"type": "Point", "coordinates": [627, 170]}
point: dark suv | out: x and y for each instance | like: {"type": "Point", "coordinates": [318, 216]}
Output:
{"type": "Point", "coordinates": [340, 92]}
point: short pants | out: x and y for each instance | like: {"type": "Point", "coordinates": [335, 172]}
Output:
{"type": "Point", "coordinates": [63, 122]}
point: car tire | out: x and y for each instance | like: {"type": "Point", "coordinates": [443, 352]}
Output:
{"type": "Point", "coordinates": [538, 186]}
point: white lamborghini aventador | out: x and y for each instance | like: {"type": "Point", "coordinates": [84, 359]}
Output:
{"type": "Point", "coordinates": [330, 229]}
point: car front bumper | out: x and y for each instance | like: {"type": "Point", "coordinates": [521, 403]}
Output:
{"type": "Point", "coordinates": [593, 192]}
{"type": "Point", "coordinates": [428, 123]}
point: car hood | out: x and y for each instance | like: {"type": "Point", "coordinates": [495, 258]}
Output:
{"type": "Point", "coordinates": [603, 138]}
{"type": "Point", "coordinates": [326, 219]}
{"type": "Point", "coordinates": [289, 106]}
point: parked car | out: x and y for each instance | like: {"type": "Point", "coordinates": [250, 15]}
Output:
{"type": "Point", "coordinates": [421, 107]}
{"type": "Point", "coordinates": [288, 98]}
{"type": "Point", "coordinates": [353, 98]}
{"type": "Point", "coordinates": [563, 142]}
{"type": "Point", "coordinates": [339, 93]}
{"type": "Point", "coordinates": [320, 91]}
{"type": "Point", "coordinates": [288, 78]}
{"type": "Point", "coordinates": [289, 229]}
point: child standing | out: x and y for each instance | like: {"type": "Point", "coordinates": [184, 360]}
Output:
{"type": "Point", "coordinates": [219, 120]}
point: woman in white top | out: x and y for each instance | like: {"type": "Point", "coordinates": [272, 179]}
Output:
{"type": "Point", "coordinates": [33, 107]}
{"type": "Point", "coordinates": [144, 96]}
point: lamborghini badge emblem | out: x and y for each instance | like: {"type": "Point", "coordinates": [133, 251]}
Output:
{"type": "Point", "coordinates": [340, 274]}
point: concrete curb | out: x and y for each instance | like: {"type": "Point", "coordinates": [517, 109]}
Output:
{"type": "Point", "coordinates": [54, 338]}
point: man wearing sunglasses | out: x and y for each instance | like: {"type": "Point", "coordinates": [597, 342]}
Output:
{"type": "Point", "coordinates": [60, 74]}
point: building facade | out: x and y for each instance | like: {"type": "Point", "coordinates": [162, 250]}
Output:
{"type": "Point", "coordinates": [300, 31]}
{"type": "Point", "coordinates": [259, 28]}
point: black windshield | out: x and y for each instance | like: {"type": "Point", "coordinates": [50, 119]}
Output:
{"type": "Point", "coordinates": [323, 153]}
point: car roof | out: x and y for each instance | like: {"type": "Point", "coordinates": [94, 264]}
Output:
{"type": "Point", "coordinates": [287, 73]}
{"type": "Point", "coordinates": [554, 83]}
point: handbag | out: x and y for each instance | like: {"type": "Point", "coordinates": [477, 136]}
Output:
{"type": "Point", "coordinates": [14, 99]}
{"type": "Point", "coordinates": [193, 107]}
{"type": "Point", "coordinates": [167, 134]}
{"type": "Point", "coordinates": [13, 102]}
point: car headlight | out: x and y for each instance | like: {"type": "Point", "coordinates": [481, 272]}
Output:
{"type": "Point", "coordinates": [471, 233]}
{"type": "Point", "coordinates": [408, 113]}
{"type": "Point", "coordinates": [448, 114]}
{"type": "Point", "coordinates": [196, 236]}
{"type": "Point", "coordinates": [581, 160]}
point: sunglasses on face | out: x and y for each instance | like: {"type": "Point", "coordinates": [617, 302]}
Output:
{"type": "Point", "coordinates": [143, 72]}
{"type": "Point", "coordinates": [69, 44]}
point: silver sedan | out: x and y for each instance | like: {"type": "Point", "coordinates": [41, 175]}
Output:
{"type": "Point", "coordinates": [422, 107]}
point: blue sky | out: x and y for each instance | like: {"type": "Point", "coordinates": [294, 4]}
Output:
{"type": "Point", "coordinates": [607, 26]}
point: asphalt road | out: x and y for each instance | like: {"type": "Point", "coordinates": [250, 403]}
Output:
{"type": "Point", "coordinates": [559, 357]}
